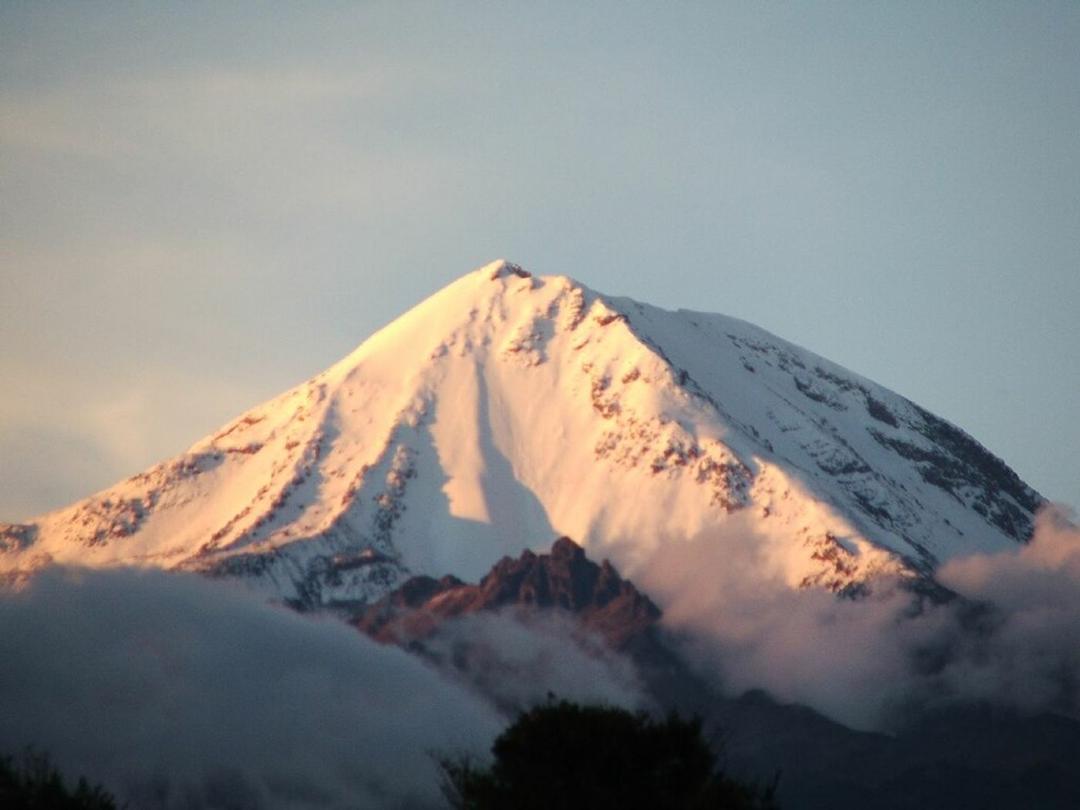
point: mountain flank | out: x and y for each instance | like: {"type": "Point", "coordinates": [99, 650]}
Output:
{"type": "Point", "coordinates": [508, 407]}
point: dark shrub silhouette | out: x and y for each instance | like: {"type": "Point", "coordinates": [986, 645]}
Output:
{"type": "Point", "coordinates": [32, 783]}
{"type": "Point", "coordinates": [569, 756]}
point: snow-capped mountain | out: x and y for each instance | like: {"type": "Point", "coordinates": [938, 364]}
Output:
{"type": "Point", "coordinates": [507, 409]}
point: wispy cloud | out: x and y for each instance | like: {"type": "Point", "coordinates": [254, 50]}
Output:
{"type": "Point", "coordinates": [520, 660]}
{"type": "Point", "coordinates": [93, 117]}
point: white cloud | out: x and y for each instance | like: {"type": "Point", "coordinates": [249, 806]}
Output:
{"type": "Point", "coordinates": [520, 660]}
{"type": "Point", "coordinates": [1013, 638]}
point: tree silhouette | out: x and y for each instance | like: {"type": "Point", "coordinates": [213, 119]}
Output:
{"type": "Point", "coordinates": [570, 756]}
{"type": "Point", "coordinates": [32, 783]}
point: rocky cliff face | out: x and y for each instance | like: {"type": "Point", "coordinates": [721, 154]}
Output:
{"type": "Point", "coordinates": [601, 601]}
{"type": "Point", "coordinates": [589, 608]}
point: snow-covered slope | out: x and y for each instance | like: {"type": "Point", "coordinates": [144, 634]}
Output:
{"type": "Point", "coordinates": [508, 409]}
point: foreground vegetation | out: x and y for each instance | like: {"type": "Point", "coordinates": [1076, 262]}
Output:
{"type": "Point", "coordinates": [31, 782]}
{"type": "Point", "coordinates": [570, 756]}
{"type": "Point", "coordinates": [559, 755]}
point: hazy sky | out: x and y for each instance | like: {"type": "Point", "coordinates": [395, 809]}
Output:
{"type": "Point", "coordinates": [200, 207]}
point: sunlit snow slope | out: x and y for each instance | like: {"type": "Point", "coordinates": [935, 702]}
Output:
{"type": "Point", "coordinates": [508, 409]}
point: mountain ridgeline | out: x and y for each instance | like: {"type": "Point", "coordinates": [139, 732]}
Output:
{"type": "Point", "coordinates": [509, 407]}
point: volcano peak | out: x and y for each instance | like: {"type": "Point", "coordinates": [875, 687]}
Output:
{"type": "Point", "coordinates": [508, 408]}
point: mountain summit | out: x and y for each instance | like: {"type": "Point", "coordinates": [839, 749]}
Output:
{"type": "Point", "coordinates": [507, 409]}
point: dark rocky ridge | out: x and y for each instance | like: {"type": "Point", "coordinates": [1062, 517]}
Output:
{"type": "Point", "coordinates": [562, 583]}
{"type": "Point", "coordinates": [565, 579]}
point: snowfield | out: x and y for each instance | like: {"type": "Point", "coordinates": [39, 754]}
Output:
{"type": "Point", "coordinates": [508, 409]}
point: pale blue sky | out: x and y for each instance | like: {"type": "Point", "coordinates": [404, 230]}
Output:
{"type": "Point", "coordinates": [200, 208]}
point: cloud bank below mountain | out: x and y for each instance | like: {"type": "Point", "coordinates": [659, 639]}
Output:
{"type": "Point", "coordinates": [179, 692]}
{"type": "Point", "coordinates": [1012, 638]}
